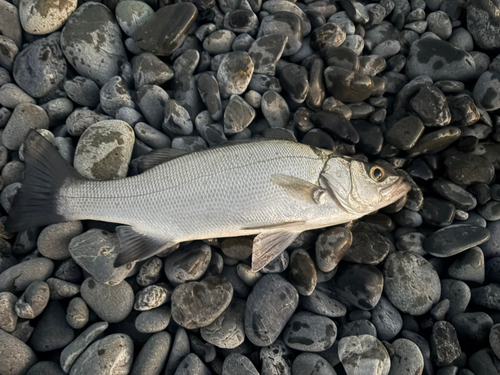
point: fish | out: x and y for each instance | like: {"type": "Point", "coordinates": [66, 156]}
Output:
{"type": "Point", "coordinates": [271, 189]}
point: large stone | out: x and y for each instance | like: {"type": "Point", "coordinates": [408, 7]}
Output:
{"type": "Point", "coordinates": [483, 22]}
{"type": "Point", "coordinates": [364, 354]}
{"type": "Point", "coordinates": [17, 278]}
{"type": "Point", "coordinates": [17, 357]}
{"type": "Point", "coordinates": [41, 17]}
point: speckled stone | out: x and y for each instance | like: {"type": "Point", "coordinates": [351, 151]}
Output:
{"type": "Point", "coordinates": [364, 354]}
{"type": "Point", "coordinates": [309, 332]}
{"type": "Point", "coordinates": [41, 17]}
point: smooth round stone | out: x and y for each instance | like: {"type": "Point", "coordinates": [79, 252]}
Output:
{"type": "Point", "coordinates": [487, 296]}
{"type": "Point", "coordinates": [111, 354]}
{"type": "Point", "coordinates": [359, 284]}
{"type": "Point", "coordinates": [445, 347]}
{"type": "Point", "coordinates": [270, 305]}
{"type": "Point", "coordinates": [348, 86]}
{"type": "Point", "coordinates": [189, 143]}
{"type": "Point", "coordinates": [490, 211]}
{"type": "Point", "coordinates": [46, 368]}
{"type": "Point", "coordinates": [53, 242]}
{"type": "Point", "coordinates": [237, 247]}
{"type": "Point", "coordinates": [438, 212]}
{"type": "Point", "coordinates": [461, 198]}
{"type": "Point", "coordinates": [237, 115]}
{"type": "Point", "coordinates": [41, 17]}
{"type": "Point", "coordinates": [492, 270]}
{"type": "Point", "coordinates": [357, 327]}
{"type": "Point", "coordinates": [335, 124]}
{"type": "Point", "coordinates": [284, 23]}
{"type": "Point", "coordinates": [188, 264]}
{"type": "Point", "coordinates": [112, 137]}
{"type": "Point", "coordinates": [60, 289]}
{"type": "Point", "coordinates": [469, 266]}
{"type": "Point", "coordinates": [114, 95]}
{"type": "Point", "coordinates": [17, 357]}
{"type": "Point", "coordinates": [151, 136]}
{"type": "Point", "coordinates": [9, 19]}
{"type": "Point", "coordinates": [331, 246]}
{"type": "Point", "coordinates": [491, 247]}
{"type": "Point", "coordinates": [454, 239]}
{"type": "Point", "coordinates": [368, 246]}
{"type": "Point", "coordinates": [407, 358]}
{"type": "Point", "coordinates": [294, 79]}
{"type": "Point", "coordinates": [234, 73]}
{"type": "Point", "coordinates": [82, 91]}
{"type": "Point", "coordinates": [219, 41]}
{"type": "Point", "coordinates": [405, 133]}
{"type": "Point", "coordinates": [52, 331]}
{"type": "Point", "coordinates": [266, 51]}
{"type": "Point", "coordinates": [435, 141]}
{"type": "Point", "coordinates": [439, 23]}
{"type": "Point", "coordinates": [33, 301]}
{"type": "Point", "coordinates": [386, 319]}
{"type": "Point", "coordinates": [111, 303]}
{"type": "Point", "coordinates": [99, 61]}
{"type": "Point", "coordinates": [153, 355]}
{"type": "Point", "coordinates": [77, 314]}
{"type": "Point", "coordinates": [262, 83]}
{"type": "Point", "coordinates": [95, 251]}
{"type": "Point", "coordinates": [241, 21]}
{"type": "Point", "coordinates": [473, 327]}
{"type": "Point", "coordinates": [484, 362]}
{"type": "Point", "coordinates": [275, 109]}
{"type": "Point", "coordinates": [439, 60]}
{"type": "Point", "coordinates": [320, 303]}
{"type": "Point", "coordinates": [313, 364]}
{"type": "Point", "coordinates": [40, 68]}
{"type": "Point", "coordinates": [18, 277]}
{"type": "Point", "coordinates": [238, 364]}
{"type": "Point", "coordinates": [11, 95]}
{"type": "Point", "coordinates": [213, 296]}
{"type": "Point", "coordinates": [459, 295]}
{"type": "Point", "coordinates": [364, 354]}
{"type": "Point", "coordinates": [327, 37]}
{"type": "Point", "coordinates": [302, 273]}
{"type": "Point", "coordinates": [12, 172]}
{"type": "Point", "coordinates": [132, 14]}
{"type": "Point", "coordinates": [411, 283]}
{"type": "Point", "coordinates": [24, 118]}
{"type": "Point", "coordinates": [206, 352]}
{"type": "Point", "coordinates": [309, 332]}
{"type": "Point", "coordinates": [246, 274]}
{"type": "Point", "coordinates": [180, 349]}
{"type": "Point", "coordinates": [192, 365]}
{"type": "Point", "coordinates": [151, 101]}
{"type": "Point", "coordinates": [81, 118]}
{"type": "Point", "coordinates": [154, 320]}
{"type": "Point", "coordinates": [165, 32]}
{"type": "Point", "coordinates": [8, 317]}
{"type": "Point", "coordinates": [8, 194]}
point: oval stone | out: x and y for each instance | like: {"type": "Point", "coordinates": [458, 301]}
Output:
{"type": "Point", "coordinates": [41, 17]}
{"type": "Point", "coordinates": [454, 239]}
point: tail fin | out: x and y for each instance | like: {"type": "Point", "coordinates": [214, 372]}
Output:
{"type": "Point", "coordinates": [46, 171]}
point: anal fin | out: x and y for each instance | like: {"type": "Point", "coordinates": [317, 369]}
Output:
{"type": "Point", "coordinates": [135, 246]}
{"type": "Point", "coordinates": [267, 246]}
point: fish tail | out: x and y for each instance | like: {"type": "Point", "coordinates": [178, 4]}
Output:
{"type": "Point", "coordinates": [36, 203]}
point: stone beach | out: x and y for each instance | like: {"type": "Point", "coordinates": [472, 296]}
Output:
{"type": "Point", "coordinates": [410, 85]}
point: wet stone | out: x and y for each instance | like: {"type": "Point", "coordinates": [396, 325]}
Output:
{"type": "Point", "coordinates": [331, 246]}
{"type": "Point", "coordinates": [348, 86]}
{"type": "Point", "coordinates": [95, 251]}
{"type": "Point", "coordinates": [275, 109]}
{"type": "Point", "coordinates": [363, 354]}
{"type": "Point", "coordinates": [445, 347]}
{"type": "Point", "coordinates": [287, 24]}
{"type": "Point", "coordinates": [241, 21]}
{"type": "Point", "coordinates": [132, 15]}
{"type": "Point", "coordinates": [52, 331]}
{"type": "Point", "coordinates": [301, 272]}
{"type": "Point", "coordinates": [461, 198]}
{"type": "Point", "coordinates": [262, 83]}
{"type": "Point", "coordinates": [177, 119]}
{"type": "Point", "coordinates": [40, 68]}
{"type": "Point", "coordinates": [266, 51]}
{"type": "Point", "coordinates": [368, 246]}
{"type": "Point", "coordinates": [238, 364]}
{"type": "Point", "coordinates": [152, 297]}
{"type": "Point", "coordinates": [149, 69]}
{"type": "Point", "coordinates": [166, 30]}
{"type": "Point", "coordinates": [370, 136]}
{"type": "Point", "coordinates": [327, 37]}
{"type": "Point", "coordinates": [336, 125]}
{"type": "Point", "coordinates": [294, 79]}
{"type": "Point", "coordinates": [309, 332]}
{"type": "Point", "coordinates": [431, 106]}
{"type": "Point", "coordinates": [411, 283]}
{"type": "Point", "coordinates": [219, 42]}
{"type": "Point", "coordinates": [234, 73]}
{"type": "Point", "coordinates": [213, 297]}
{"type": "Point", "coordinates": [111, 303]}
{"type": "Point", "coordinates": [237, 115]}
{"type": "Point", "coordinates": [360, 285]}
{"type": "Point", "coordinates": [435, 141]}
{"type": "Point", "coordinates": [455, 239]}
{"type": "Point", "coordinates": [100, 61]}
{"type": "Point", "coordinates": [438, 212]}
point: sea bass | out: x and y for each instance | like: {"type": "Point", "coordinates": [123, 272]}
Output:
{"type": "Point", "coordinates": [272, 189]}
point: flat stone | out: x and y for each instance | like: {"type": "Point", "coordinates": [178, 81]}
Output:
{"type": "Point", "coordinates": [237, 115]}
{"type": "Point", "coordinates": [17, 357]}
{"type": "Point", "coordinates": [368, 246]}
{"type": "Point", "coordinates": [469, 266]}
{"type": "Point", "coordinates": [364, 354]}
{"type": "Point", "coordinates": [234, 73]}
{"type": "Point", "coordinates": [348, 86]}
{"type": "Point", "coordinates": [154, 320]}
{"type": "Point", "coordinates": [17, 278]}
{"type": "Point", "coordinates": [405, 133]}
{"type": "Point", "coordinates": [386, 319]}
{"type": "Point", "coordinates": [455, 239]}
{"type": "Point", "coordinates": [306, 331]}
{"type": "Point", "coordinates": [320, 303]}
{"type": "Point", "coordinates": [435, 141]}
{"type": "Point", "coordinates": [25, 117]}
{"type": "Point", "coordinates": [166, 30]}
{"type": "Point", "coordinates": [99, 61]}
{"type": "Point", "coordinates": [153, 355]}
{"type": "Point", "coordinates": [283, 23]}
{"type": "Point", "coordinates": [266, 51]}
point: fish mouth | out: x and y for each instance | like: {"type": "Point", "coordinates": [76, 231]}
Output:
{"type": "Point", "coordinates": [397, 189]}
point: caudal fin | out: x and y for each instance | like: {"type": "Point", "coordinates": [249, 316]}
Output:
{"type": "Point", "coordinates": [46, 171]}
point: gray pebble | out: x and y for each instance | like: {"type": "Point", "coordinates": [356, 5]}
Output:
{"type": "Point", "coordinates": [238, 364]}
{"type": "Point", "coordinates": [302, 273]}
{"type": "Point", "coordinates": [11, 95]}
{"type": "Point", "coordinates": [459, 295]}
{"type": "Point", "coordinates": [11, 27]}
{"type": "Point", "coordinates": [484, 362]}
{"type": "Point", "coordinates": [54, 240]}
{"type": "Point", "coordinates": [192, 365]}
{"type": "Point", "coordinates": [115, 94]}
{"type": "Point", "coordinates": [95, 251]}
{"type": "Point", "coordinates": [445, 347]}
{"type": "Point", "coordinates": [52, 331]}
{"type": "Point", "coordinates": [77, 314]}
{"type": "Point", "coordinates": [237, 247]}
{"type": "Point", "coordinates": [111, 303]}
{"type": "Point", "coordinates": [8, 194]}
{"type": "Point", "coordinates": [46, 368]}
{"type": "Point", "coordinates": [129, 115]}
{"type": "Point", "coordinates": [58, 110]}
{"type": "Point", "coordinates": [24, 118]}
{"type": "Point", "coordinates": [154, 320]}
{"type": "Point", "coordinates": [309, 332]}
{"type": "Point", "coordinates": [151, 101]}
{"type": "Point", "coordinates": [189, 143]}
{"type": "Point", "coordinates": [111, 354]}
{"type": "Point", "coordinates": [132, 14]}
{"type": "Point", "coordinates": [275, 109]}
{"type": "Point", "coordinates": [439, 311]}
{"type": "Point", "coordinates": [82, 91]}
{"type": "Point", "coordinates": [473, 327]}
{"type": "Point", "coordinates": [364, 354]}
{"type": "Point", "coordinates": [98, 141]}
{"type": "Point", "coordinates": [331, 246]}
{"type": "Point", "coordinates": [17, 357]}
{"type": "Point", "coordinates": [234, 73]}
{"type": "Point", "coordinates": [60, 289]}
{"type": "Point", "coordinates": [188, 264]}
{"type": "Point", "coordinates": [284, 23]}
{"type": "Point", "coordinates": [407, 358]}
{"type": "Point", "coordinates": [82, 118]}
{"type": "Point", "coordinates": [237, 115]}
{"type": "Point", "coordinates": [177, 119]}
{"type": "Point", "coordinates": [150, 272]}
{"type": "Point", "coordinates": [152, 137]}
{"type": "Point", "coordinates": [12, 172]}
{"type": "Point", "coordinates": [17, 278]}
{"type": "Point", "coordinates": [180, 349]}
{"type": "Point", "coordinates": [227, 331]}
{"type": "Point", "coordinates": [23, 330]}
{"type": "Point", "coordinates": [152, 297]}
{"type": "Point", "coordinates": [276, 359]}
{"type": "Point", "coordinates": [101, 61]}
{"type": "Point", "coordinates": [40, 17]}
{"type": "Point", "coordinates": [483, 25]}
{"type": "Point", "coordinates": [357, 327]}
{"type": "Point", "coordinates": [33, 301]}
{"type": "Point", "coordinates": [386, 319]}
{"type": "Point", "coordinates": [153, 355]}
{"type": "Point", "coordinates": [149, 69]}
{"type": "Point", "coordinates": [313, 364]}
{"type": "Point", "coordinates": [454, 239]}
{"type": "Point", "coordinates": [219, 41]}
{"type": "Point", "coordinates": [8, 317]}
{"type": "Point", "coordinates": [320, 303]}
{"type": "Point", "coordinates": [469, 266]}
{"type": "Point", "coordinates": [266, 51]}
{"type": "Point", "coordinates": [494, 339]}
{"type": "Point", "coordinates": [248, 276]}
{"type": "Point", "coordinates": [8, 52]}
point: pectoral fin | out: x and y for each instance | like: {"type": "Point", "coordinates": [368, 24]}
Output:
{"type": "Point", "coordinates": [267, 246]}
{"type": "Point", "coordinates": [299, 188]}
{"type": "Point", "coordinates": [135, 246]}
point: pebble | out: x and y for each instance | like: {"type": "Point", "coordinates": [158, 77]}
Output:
{"type": "Point", "coordinates": [275, 109]}
{"type": "Point", "coordinates": [60, 289]}
{"type": "Point", "coordinates": [166, 30]}
{"type": "Point", "coordinates": [368, 246]}
{"type": "Point", "coordinates": [101, 61]}
{"type": "Point", "coordinates": [11, 27]}
{"type": "Point", "coordinates": [266, 51]}
{"type": "Point", "coordinates": [302, 273]}
{"type": "Point", "coordinates": [180, 349]}
{"type": "Point", "coordinates": [188, 264]}
{"type": "Point", "coordinates": [335, 124]}
{"type": "Point", "coordinates": [83, 91]}
{"type": "Point", "coordinates": [33, 301]}
{"type": "Point", "coordinates": [469, 266]}
{"type": "Point", "coordinates": [8, 317]}
{"type": "Point", "coordinates": [459, 295]}
{"type": "Point", "coordinates": [309, 332]}
{"type": "Point", "coordinates": [411, 283]}
{"type": "Point", "coordinates": [487, 296]}
{"type": "Point", "coordinates": [153, 355]}
{"type": "Point", "coordinates": [77, 314]}
{"type": "Point", "coordinates": [17, 357]}
{"type": "Point", "coordinates": [238, 364]}
{"type": "Point", "coordinates": [213, 296]}
{"type": "Point", "coordinates": [208, 89]}
{"type": "Point", "coordinates": [482, 24]}
{"type": "Point", "coordinates": [246, 274]}
{"type": "Point", "coordinates": [490, 211]}
{"type": "Point", "coordinates": [484, 362]}
{"type": "Point", "coordinates": [111, 354]}
{"type": "Point", "coordinates": [275, 359]}
{"type": "Point", "coordinates": [154, 320]}
{"type": "Point", "coordinates": [53, 241]}
{"type": "Point", "coordinates": [95, 251]}
{"type": "Point", "coordinates": [111, 303]}
{"type": "Point", "coordinates": [473, 327]}
{"type": "Point", "coordinates": [270, 305]}
{"type": "Point", "coordinates": [494, 339]}
{"type": "Point", "coordinates": [439, 311]}
{"type": "Point", "coordinates": [294, 79]}
{"type": "Point", "coordinates": [405, 133]}
{"type": "Point", "coordinates": [25, 117]}
{"type": "Point", "coordinates": [192, 365]}
{"type": "Point", "coordinates": [287, 24]}
{"type": "Point", "coordinates": [386, 319]}
{"type": "Point", "coordinates": [467, 169]}
{"type": "Point", "coordinates": [234, 73]}
{"type": "Point", "coordinates": [114, 95]}
{"type": "Point", "coordinates": [313, 364]}
{"type": "Point", "coordinates": [40, 68]}
{"type": "Point", "coordinates": [490, 247]}
{"type": "Point", "coordinates": [52, 331]}
{"type": "Point", "coordinates": [331, 246]}
{"type": "Point", "coordinates": [11, 95]}
{"type": "Point", "coordinates": [327, 37]}
{"type": "Point", "coordinates": [431, 105]}
{"type": "Point", "coordinates": [237, 247]}
{"type": "Point", "coordinates": [454, 239]}
{"type": "Point", "coordinates": [18, 277]}
{"type": "Point", "coordinates": [364, 354]}
{"type": "Point", "coordinates": [320, 303]}
{"type": "Point", "coordinates": [461, 198]}
{"type": "Point", "coordinates": [104, 150]}
{"type": "Point", "coordinates": [237, 115]}
{"type": "Point", "coordinates": [132, 15]}
{"type": "Point", "coordinates": [150, 272]}
{"type": "Point", "coordinates": [445, 347]}
{"type": "Point", "coordinates": [407, 358]}
{"type": "Point", "coordinates": [45, 368]}
{"type": "Point", "coordinates": [348, 86]}
{"type": "Point", "coordinates": [219, 41]}
{"type": "Point", "coordinates": [359, 284]}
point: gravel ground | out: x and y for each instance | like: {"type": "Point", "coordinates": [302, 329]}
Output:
{"type": "Point", "coordinates": [414, 85]}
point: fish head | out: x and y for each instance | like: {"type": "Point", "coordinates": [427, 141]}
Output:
{"type": "Point", "coordinates": [360, 187]}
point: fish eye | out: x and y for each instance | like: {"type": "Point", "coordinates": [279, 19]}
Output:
{"type": "Point", "coordinates": [377, 173]}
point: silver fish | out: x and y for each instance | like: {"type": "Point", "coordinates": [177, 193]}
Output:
{"type": "Point", "coordinates": [273, 189]}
